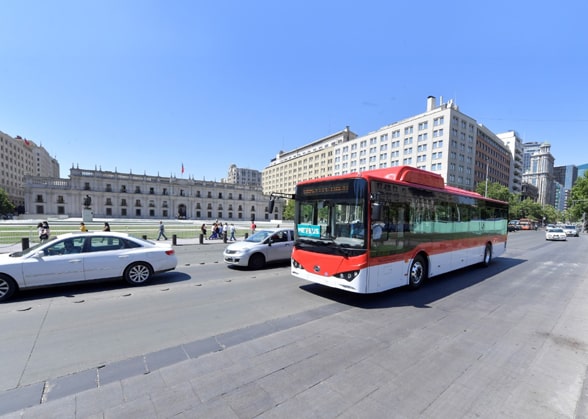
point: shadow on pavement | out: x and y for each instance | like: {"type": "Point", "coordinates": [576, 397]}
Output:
{"type": "Point", "coordinates": [78, 290]}
{"type": "Point", "coordinates": [434, 289]}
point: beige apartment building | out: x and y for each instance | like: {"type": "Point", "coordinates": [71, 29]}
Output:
{"type": "Point", "coordinates": [312, 161]}
{"type": "Point", "coordinates": [20, 157]}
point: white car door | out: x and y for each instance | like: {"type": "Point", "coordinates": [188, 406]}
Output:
{"type": "Point", "coordinates": [106, 257]}
{"type": "Point", "coordinates": [55, 264]}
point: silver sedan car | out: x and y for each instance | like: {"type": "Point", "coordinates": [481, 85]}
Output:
{"type": "Point", "coordinates": [265, 246]}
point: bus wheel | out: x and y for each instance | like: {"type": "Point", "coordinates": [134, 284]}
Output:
{"type": "Point", "coordinates": [487, 256]}
{"type": "Point", "coordinates": [418, 272]}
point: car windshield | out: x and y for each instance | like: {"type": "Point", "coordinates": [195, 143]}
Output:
{"type": "Point", "coordinates": [31, 249]}
{"type": "Point", "coordinates": [259, 236]}
{"type": "Point", "coordinates": [556, 230]}
{"type": "Point", "coordinates": [571, 227]}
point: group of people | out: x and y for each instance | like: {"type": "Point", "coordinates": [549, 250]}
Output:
{"type": "Point", "coordinates": [219, 230]}
{"type": "Point", "coordinates": [44, 231]}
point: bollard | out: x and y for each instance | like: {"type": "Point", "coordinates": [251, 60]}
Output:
{"type": "Point", "coordinates": [174, 240]}
{"type": "Point", "coordinates": [201, 238]}
{"type": "Point", "coordinates": [224, 236]}
{"type": "Point", "coordinates": [24, 243]}
{"type": "Point", "coordinates": [246, 235]}
{"type": "Point", "coordinates": [144, 236]}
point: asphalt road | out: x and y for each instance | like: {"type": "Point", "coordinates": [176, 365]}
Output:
{"type": "Point", "coordinates": [510, 340]}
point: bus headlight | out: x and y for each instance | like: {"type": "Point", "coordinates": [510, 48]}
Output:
{"type": "Point", "coordinates": [296, 264]}
{"type": "Point", "coordinates": [347, 276]}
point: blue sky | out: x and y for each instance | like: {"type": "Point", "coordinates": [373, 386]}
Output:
{"type": "Point", "coordinates": [145, 86]}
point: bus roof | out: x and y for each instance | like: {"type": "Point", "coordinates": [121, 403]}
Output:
{"type": "Point", "coordinates": [407, 175]}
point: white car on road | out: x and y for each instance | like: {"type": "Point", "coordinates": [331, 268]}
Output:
{"type": "Point", "coordinates": [571, 230]}
{"type": "Point", "coordinates": [81, 257]}
{"type": "Point", "coordinates": [555, 233]}
{"type": "Point", "coordinates": [265, 246]}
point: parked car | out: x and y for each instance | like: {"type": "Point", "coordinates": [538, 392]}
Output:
{"type": "Point", "coordinates": [81, 257]}
{"type": "Point", "coordinates": [555, 233]}
{"type": "Point", "coordinates": [571, 230]}
{"type": "Point", "coordinates": [264, 246]}
{"type": "Point", "coordinates": [513, 225]}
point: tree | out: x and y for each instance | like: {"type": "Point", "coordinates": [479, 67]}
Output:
{"type": "Point", "coordinates": [579, 198]}
{"type": "Point", "coordinates": [6, 206]}
{"type": "Point", "coordinates": [289, 210]}
{"type": "Point", "coordinates": [495, 191]}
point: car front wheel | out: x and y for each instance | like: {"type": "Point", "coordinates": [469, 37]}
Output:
{"type": "Point", "coordinates": [137, 273]}
{"type": "Point", "coordinates": [257, 261]}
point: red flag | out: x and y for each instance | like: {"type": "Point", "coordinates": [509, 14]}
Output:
{"type": "Point", "coordinates": [182, 168]}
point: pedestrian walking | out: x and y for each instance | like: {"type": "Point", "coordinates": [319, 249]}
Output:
{"type": "Point", "coordinates": [106, 227]}
{"type": "Point", "coordinates": [83, 228]}
{"type": "Point", "coordinates": [232, 231]}
{"type": "Point", "coordinates": [161, 231]}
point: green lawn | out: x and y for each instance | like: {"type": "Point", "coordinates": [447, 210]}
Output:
{"type": "Point", "coordinates": [14, 233]}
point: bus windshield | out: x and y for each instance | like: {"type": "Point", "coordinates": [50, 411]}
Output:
{"type": "Point", "coordinates": [332, 217]}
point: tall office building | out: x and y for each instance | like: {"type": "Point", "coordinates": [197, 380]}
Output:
{"type": "Point", "coordinates": [538, 170]}
{"type": "Point", "coordinates": [20, 157]}
{"type": "Point", "coordinates": [513, 141]}
{"type": "Point", "coordinates": [566, 177]}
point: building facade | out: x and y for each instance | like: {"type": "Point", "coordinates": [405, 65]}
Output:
{"type": "Point", "coordinates": [312, 161]}
{"type": "Point", "coordinates": [20, 157]}
{"type": "Point", "coordinates": [126, 195]}
{"type": "Point", "coordinates": [514, 143]}
{"type": "Point", "coordinates": [538, 170]}
{"type": "Point", "coordinates": [566, 177]}
{"type": "Point", "coordinates": [241, 176]}
{"type": "Point", "coordinates": [441, 140]}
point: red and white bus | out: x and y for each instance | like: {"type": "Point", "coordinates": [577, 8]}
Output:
{"type": "Point", "coordinates": [386, 228]}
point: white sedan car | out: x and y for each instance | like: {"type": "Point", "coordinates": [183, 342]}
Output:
{"type": "Point", "coordinates": [265, 246]}
{"type": "Point", "coordinates": [80, 257]}
{"type": "Point", "coordinates": [555, 233]}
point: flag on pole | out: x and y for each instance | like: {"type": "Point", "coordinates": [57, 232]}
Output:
{"type": "Point", "coordinates": [182, 168]}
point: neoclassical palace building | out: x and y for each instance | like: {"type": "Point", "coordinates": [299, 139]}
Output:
{"type": "Point", "coordinates": [126, 195]}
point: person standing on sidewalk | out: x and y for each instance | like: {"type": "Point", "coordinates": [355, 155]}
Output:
{"type": "Point", "coordinates": [161, 231]}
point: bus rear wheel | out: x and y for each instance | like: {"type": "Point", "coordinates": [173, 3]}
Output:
{"type": "Point", "coordinates": [487, 256]}
{"type": "Point", "coordinates": [418, 272]}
